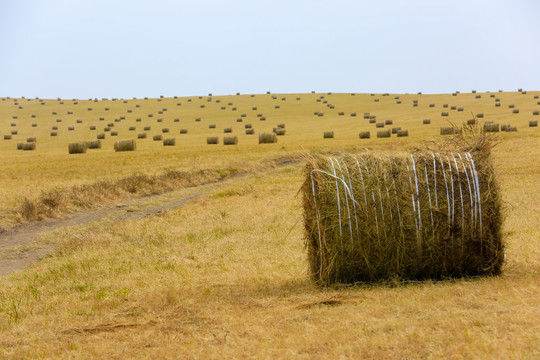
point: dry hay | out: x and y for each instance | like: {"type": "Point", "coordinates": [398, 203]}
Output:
{"type": "Point", "coordinates": [183, 131]}
{"type": "Point", "coordinates": [384, 133]}
{"type": "Point", "coordinates": [230, 140]}
{"type": "Point", "coordinates": [77, 148]}
{"type": "Point", "coordinates": [364, 135]}
{"type": "Point", "coordinates": [99, 136]}
{"type": "Point", "coordinates": [212, 140]}
{"type": "Point", "coordinates": [426, 121]}
{"type": "Point", "coordinates": [328, 135]}
{"type": "Point", "coordinates": [227, 130]}
{"type": "Point", "coordinates": [250, 131]}
{"type": "Point", "coordinates": [491, 127]}
{"type": "Point", "coordinates": [403, 133]}
{"type": "Point", "coordinates": [533, 123]}
{"type": "Point", "coordinates": [157, 137]}
{"type": "Point", "coordinates": [267, 138]}
{"type": "Point", "coordinates": [425, 215]}
{"type": "Point", "coordinates": [141, 136]}
{"type": "Point", "coordinates": [169, 142]}
{"type": "Point", "coordinates": [29, 146]}
{"type": "Point", "coordinates": [31, 139]}
{"type": "Point", "coordinates": [125, 145]}
{"type": "Point", "coordinates": [280, 131]}
{"type": "Point", "coordinates": [94, 144]}
{"type": "Point", "coordinates": [7, 137]}
{"type": "Point", "coordinates": [20, 146]}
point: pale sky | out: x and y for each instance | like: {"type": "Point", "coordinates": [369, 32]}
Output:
{"type": "Point", "coordinates": [124, 49]}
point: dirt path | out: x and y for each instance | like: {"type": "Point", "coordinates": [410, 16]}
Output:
{"type": "Point", "coordinates": [18, 247]}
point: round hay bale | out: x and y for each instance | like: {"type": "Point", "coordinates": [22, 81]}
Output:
{"type": "Point", "coordinates": [114, 133]}
{"type": "Point", "coordinates": [267, 138]}
{"type": "Point", "coordinates": [197, 119]}
{"type": "Point", "coordinates": [504, 127]}
{"type": "Point", "coordinates": [320, 114]}
{"type": "Point", "coordinates": [34, 125]}
{"type": "Point", "coordinates": [14, 132]}
{"type": "Point", "coordinates": [328, 135]}
{"type": "Point", "coordinates": [447, 130]}
{"type": "Point", "coordinates": [176, 120]}
{"type": "Point", "coordinates": [445, 105]}
{"type": "Point", "coordinates": [125, 145]}
{"type": "Point", "coordinates": [403, 133]}
{"type": "Point", "coordinates": [364, 135]}
{"type": "Point", "coordinates": [431, 105]}
{"type": "Point", "coordinates": [511, 106]}
{"type": "Point", "coordinates": [230, 140]}
{"type": "Point", "coordinates": [131, 128]}
{"type": "Point", "coordinates": [239, 120]}
{"type": "Point", "coordinates": [159, 120]}
{"type": "Point", "coordinates": [497, 104]}
{"type": "Point", "coordinates": [79, 121]}
{"type": "Point", "coordinates": [212, 140]}
{"type": "Point", "coordinates": [54, 133]}
{"type": "Point", "coordinates": [20, 146]}
{"type": "Point", "coordinates": [371, 218]}
{"type": "Point", "coordinates": [92, 127]}
{"type": "Point", "coordinates": [147, 128]}
{"type": "Point", "coordinates": [480, 115]}
{"type": "Point", "coordinates": [536, 112]}
{"type": "Point", "coordinates": [183, 131]}
{"type": "Point", "coordinates": [169, 142]}
{"type": "Point", "coordinates": [276, 107]}
{"type": "Point", "coordinates": [280, 132]}
{"type": "Point", "coordinates": [459, 109]}
{"type": "Point", "coordinates": [77, 148]}
{"type": "Point", "coordinates": [353, 114]}
{"type": "Point", "coordinates": [379, 125]}
{"type": "Point", "coordinates": [395, 130]}
{"type": "Point", "coordinates": [212, 126]}
{"type": "Point", "coordinates": [100, 136]}
{"type": "Point", "coordinates": [444, 113]}
{"type": "Point", "coordinates": [7, 137]}
{"type": "Point", "coordinates": [471, 121]}
{"type": "Point", "coordinates": [157, 137]}
{"type": "Point", "coordinates": [383, 133]}
{"type": "Point", "coordinates": [398, 102]}
{"type": "Point", "coordinates": [250, 131]}
{"type": "Point", "coordinates": [227, 130]}
{"type": "Point", "coordinates": [426, 121]}
{"type": "Point", "coordinates": [71, 128]}
{"type": "Point", "coordinates": [165, 130]}
{"type": "Point", "coordinates": [453, 108]}
{"type": "Point", "coordinates": [29, 146]}
{"type": "Point", "coordinates": [247, 126]}
{"type": "Point", "coordinates": [515, 111]}
{"type": "Point", "coordinates": [141, 136]}
{"type": "Point", "coordinates": [94, 144]}
{"type": "Point", "coordinates": [478, 96]}
{"type": "Point", "coordinates": [281, 126]}
{"type": "Point", "coordinates": [388, 122]}
{"type": "Point", "coordinates": [31, 139]}
{"type": "Point", "coordinates": [532, 123]}
{"type": "Point", "coordinates": [372, 121]}
{"type": "Point", "coordinates": [341, 113]}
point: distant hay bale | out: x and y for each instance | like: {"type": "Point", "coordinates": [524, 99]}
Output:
{"type": "Point", "coordinates": [20, 146]}
{"type": "Point", "coordinates": [426, 121]}
{"type": "Point", "coordinates": [31, 139]}
{"type": "Point", "coordinates": [125, 145]}
{"type": "Point", "coordinates": [54, 133]}
{"type": "Point", "coordinates": [431, 105]}
{"type": "Point", "coordinates": [276, 107]}
{"type": "Point", "coordinates": [212, 140]}
{"type": "Point", "coordinates": [515, 111]}
{"type": "Point", "coordinates": [398, 102]}
{"type": "Point", "coordinates": [511, 106]}
{"type": "Point", "coordinates": [320, 114]}
{"type": "Point", "coordinates": [183, 131]}
{"type": "Point", "coordinates": [94, 144]}
{"type": "Point", "coordinates": [147, 128]}
{"type": "Point", "coordinates": [379, 125]}
{"type": "Point", "coordinates": [250, 131]}
{"type": "Point", "coordinates": [372, 121]}
{"type": "Point", "coordinates": [212, 126]}
{"type": "Point", "coordinates": [7, 137]}
{"type": "Point", "coordinates": [353, 114]}
{"type": "Point", "coordinates": [281, 126]}
{"type": "Point", "coordinates": [165, 130]}
{"type": "Point", "coordinates": [459, 109]}
{"type": "Point", "coordinates": [100, 136]}
{"type": "Point", "coordinates": [497, 104]}
{"type": "Point", "coordinates": [445, 106]}
{"type": "Point", "coordinates": [376, 100]}
{"type": "Point", "coordinates": [169, 142]}
{"type": "Point", "coordinates": [197, 119]}
{"type": "Point", "coordinates": [77, 148]}
{"type": "Point", "coordinates": [14, 132]}
{"type": "Point", "coordinates": [532, 123]}
{"type": "Point", "coordinates": [448, 130]}
{"type": "Point", "coordinates": [267, 138]}
{"type": "Point", "coordinates": [388, 122]}
{"type": "Point", "coordinates": [34, 125]}
{"type": "Point", "coordinates": [230, 140]}
{"type": "Point", "coordinates": [364, 135]}
{"type": "Point", "coordinates": [453, 107]}
{"type": "Point", "coordinates": [92, 127]}
{"type": "Point", "coordinates": [58, 120]}
{"type": "Point", "coordinates": [132, 128]}
{"type": "Point", "coordinates": [239, 120]}
{"type": "Point", "coordinates": [280, 131]}
{"type": "Point", "coordinates": [114, 133]}
{"type": "Point", "coordinates": [29, 146]}
{"type": "Point", "coordinates": [328, 135]}
{"type": "Point", "coordinates": [395, 130]}
{"type": "Point", "coordinates": [247, 126]}
{"type": "Point", "coordinates": [157, 137]}
{"type": "Point", "coordinates": [227, 130]}
{"type": "Point", "coordinates": [474, 91]}
{"type": "Point", "coordinates": [341, 113]}
{"type": "Point", "coordinates": [536, 112]}
{"type": "Point", "coordinates": [254, 108]}
{"type": "Point", "coordinates": [371, 218]}
{"type": "Point", "coordinates": [478, 96]}
{"type": "Point", "coordinates": [471, 121]}
{"type": "Point", "coordinates": [141, 136]}
{"type": "Point", "coordinates": [480, 115]}
{"type": "Point", "coordinates": [383, 133]}
{"type": "Point", "coordinates": [444, 113]}
{"type": "Point", "coordinates": [504, 127]}
{"type": "Point", "coordinates": [403, 133]}
{"type": "Point", "coordinates": [491, 127]}
{"type": "Point", "coordinates": [159, 120]}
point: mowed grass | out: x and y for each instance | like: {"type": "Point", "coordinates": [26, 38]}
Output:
{"type": "Point", "coordinates": [226, 275]}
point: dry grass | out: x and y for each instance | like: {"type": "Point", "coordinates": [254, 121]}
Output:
{"type": "Point", "coordinates": [227, 276]}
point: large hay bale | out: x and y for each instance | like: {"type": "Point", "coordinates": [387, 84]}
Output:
{"type": "Point", "coordinates": [328, 135]}
{"type": "Point", "coordinates": [212, 140]}
{"type": "Point", "coordinates": [29, 146]}
{"type": "Point", "coordinates": [125, 145]}
{"type": "Point", "coordinates": [384, 133]}
{"type": "Point", "coordinates": [267, 138]}
{"type": "Point", "coordinates": [230, 140]}
{"type": "Point", "coordinates": [371, 218]}
{"type": "Point", "coordinates": [364, 134]}
{"type": "Point", "coordinates": [169, 142]}
{"type": "Point", "coordinates": [77, 148]}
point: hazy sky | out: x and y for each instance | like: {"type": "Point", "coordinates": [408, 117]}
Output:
{"type": "Point", "coordinates": [124, 49]}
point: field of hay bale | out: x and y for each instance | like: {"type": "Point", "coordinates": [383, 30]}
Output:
{"type": "Point", "coordinates": [227, 275]}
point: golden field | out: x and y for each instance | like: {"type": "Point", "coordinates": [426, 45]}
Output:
{"type": "Point", "coordinates": [225, 276]}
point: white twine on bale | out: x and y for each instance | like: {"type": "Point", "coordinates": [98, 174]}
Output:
{"type": "Point", "coordinates": [461, 196]}
{"type": "Point", "coordinates": [397, 202]}
{"type": "Point", "coordinates": [380, 200]}
{"type": "Point", "coordinates": [419, 239]}
{"type": "Point", "coordinates": [475, 195]}
{"type": "Point", "coordinates": [478, 191]}
{"type": "Point", "coordinates": [435, 179]}
{"type": "Point", "coordinates": [470, 191]}
{"type": "Point", "coordinates": [363, 185]}
{"type": "Point", "coordinates": [338, 201]}
{"type": "Point", "coordinates": [452, 183]}
{"type": "Point", "coordinates": [346, 200]}
{"type": "Point", "coordinates": [446, 183]}
{"type": "Point", "coordinates": [413, 203]}
{"type": "Point", "coordinates": [352, 190]}
{"type": "Point", "coordinates": [374, 205]}
{"type": "Point", "coordinates": [429, 197]}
